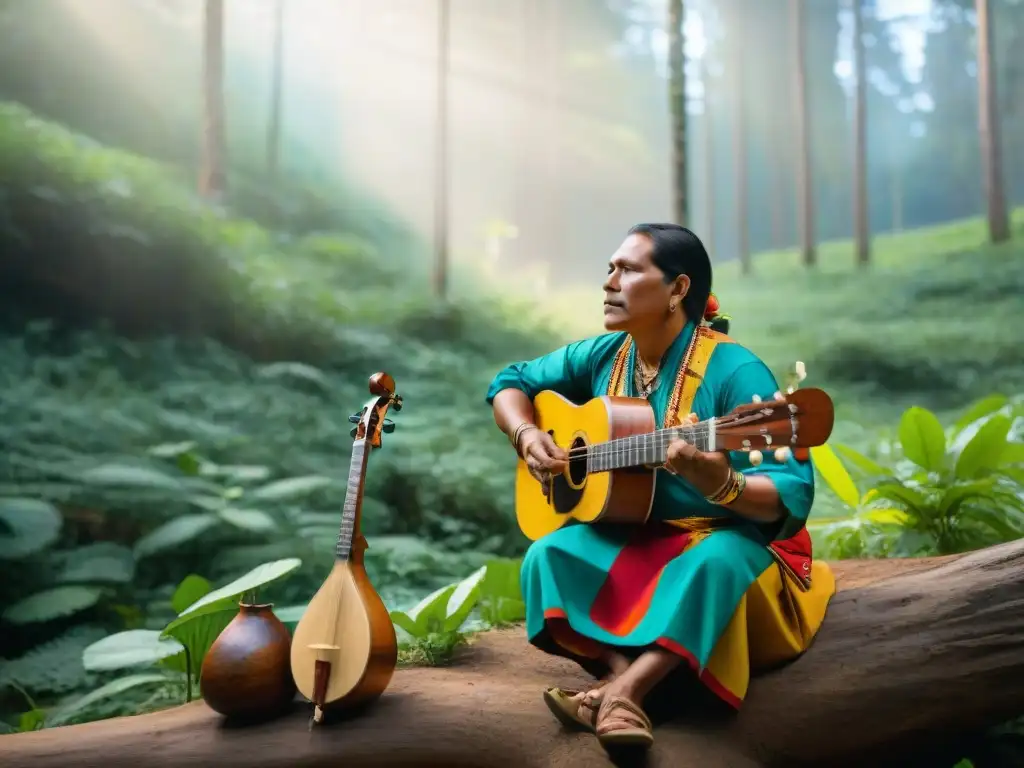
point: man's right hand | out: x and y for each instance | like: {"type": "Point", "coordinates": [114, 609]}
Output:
{"type": "Point", "coordinates": [543, 457]}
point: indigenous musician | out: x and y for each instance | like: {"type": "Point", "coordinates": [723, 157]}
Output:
{"type": "Point", "coordinates": [721, 577]}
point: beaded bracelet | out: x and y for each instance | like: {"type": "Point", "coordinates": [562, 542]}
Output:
{"type": "Point", "coordinates": [731, 489]}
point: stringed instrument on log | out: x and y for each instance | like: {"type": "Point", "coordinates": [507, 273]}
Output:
{"type": "Point", "coordinates": [615, 448]}
{"type": "Point", "coordinates": [344, 649]}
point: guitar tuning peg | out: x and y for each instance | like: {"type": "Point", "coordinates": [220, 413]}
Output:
{"type": "Point", "coordinates": [353, 432]}
{"type": "Point", "coordinates": [355, 417]}
{"type": "Point", "coordinates": [397, 403]}
{"type": "Point", "coordinates": [388, 426]}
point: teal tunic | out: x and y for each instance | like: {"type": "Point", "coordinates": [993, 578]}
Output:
{"type": "Point", "coordinates": [696, 591]}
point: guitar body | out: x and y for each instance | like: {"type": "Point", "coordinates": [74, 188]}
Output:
{"type": "Point", "coordinates": [347, 625]}
{"type": "Point", "coordinates": [619, 496]}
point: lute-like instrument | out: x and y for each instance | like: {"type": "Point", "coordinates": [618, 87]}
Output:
{"type": "Point", "coordinates": [344, 650]}
{"type": "Point", "coordinates": [615, 448]}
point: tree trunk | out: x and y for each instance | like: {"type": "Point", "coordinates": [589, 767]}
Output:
{"type": "Point", "coordinates": [988, 128]}
{"type": "Point", "coordinates": [709, 160]}
{"type": "Point", "coordinates": [739, 26]}
{"type": "Point", "coordinates": [553, 194]}
{"type": "Point", "coordinates": [804, 179]}
{"type": "Point", "coordinates": [441, 168]}
{"type": "Point", "coordinates": [276, 93]}
{"type": "Point", "coordinates": [212, 163]}
{"type": "Point", "coordinates": [862, 230]}
{"type": "Point", "coordinates": [677, 109]}
{"type": "Point", "coordinates": [913, 656]}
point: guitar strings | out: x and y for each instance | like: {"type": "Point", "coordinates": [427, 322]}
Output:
{"type": "Point", "coordinates": [660, 438]}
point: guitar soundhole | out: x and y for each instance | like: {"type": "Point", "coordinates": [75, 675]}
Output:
{"type": "Point", "coordinates": [577, 462]}
{"type": "Point", "coordinates": [566, 492]}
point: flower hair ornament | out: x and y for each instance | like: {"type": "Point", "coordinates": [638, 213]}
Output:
{"type": "Point", "coordinates": [711, 310]}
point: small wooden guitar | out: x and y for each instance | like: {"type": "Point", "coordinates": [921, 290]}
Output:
{"type": "Point", "coordinates": [614, 449]}
{"type": "Point", "coordinates": [344, 650]}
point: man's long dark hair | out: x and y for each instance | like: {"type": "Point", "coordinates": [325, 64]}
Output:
{"type": "Point", "coordinates": [678, 251]}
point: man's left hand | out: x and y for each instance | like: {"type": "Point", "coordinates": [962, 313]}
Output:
{"type": "Point", "coordinates": [707, 472]}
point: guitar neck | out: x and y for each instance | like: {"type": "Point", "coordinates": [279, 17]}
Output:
{"type": "Point", "coordinates": [648, 449]}
{"type": "Point", "coordinates": [353, 501]}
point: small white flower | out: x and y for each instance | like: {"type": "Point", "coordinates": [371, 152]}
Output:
{"type": "Point", "coordinates": [756, 457]}
{"type": "Point", "coordinates": [782, 454]}
{"type": "Point", "coordinates": [801, 370]}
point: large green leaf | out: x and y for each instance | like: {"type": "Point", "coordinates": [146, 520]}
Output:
{"type": "Point", "coordinates": [835, 475]}
{"type": "Point", "coordinates": [995, 521]}
{"type": "Point", "coordinates": [428, 615]}
{"type": "Point", "coordinates": [114, 688]}
{"type": "Point", "coordinates": [501, 598]}
{"type": "Point", "coordinates": [258, 577]}
{"type": "Point", "coordinates": [865, 465]}
{"type": "Point", "coordinates": [188, 591]}
{"type": "Point", "coordinates": [290, 488]}
{"type": "Point", "coordinates": [52, 604]}
{"type": "Point", "coordinates": [884, 516]}
{"type": "Point", "coordinates": [127, 475]}
{"type": "Point", "coordinates": [980, 409]}
{"type": "Point", "coordinates": [463, 599]}
{"type": "Point", "coordinates": [959, 493]}
{"type": "Point", "coordinates": [911, 498]}
{"type": "Point", "coordinates": [175, 532]}
{"type": "Point", "coordinates": [985, 450]}
{"type": "Point", "coordinates": [129, 649]}
{"type": "Point", "coordinates": [198, 629]}
{"type": "Point", "coordinates": [103, 562]}
{"type": "Point", "coordinates": [923, 439]}
{"type": "Point", "coordinates": [1013, 454]}
{"type": "Point", "coordinates": [27, 526]}
{"type": "Point", "coordinates": [253, 520]}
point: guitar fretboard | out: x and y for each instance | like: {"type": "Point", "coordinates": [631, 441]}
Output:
{"type": "Point", "coordinates": [353, 500]}
{"type": "Point", "coordinates": [647, 449]}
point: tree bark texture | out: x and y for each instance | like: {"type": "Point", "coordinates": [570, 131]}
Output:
{"type": "Point", "coordinates": [803, 154]}
{"type": "Point", "coordinates": [213, 160]}
{"type": "Point", "coordinates": [989, 129]}
{"type": "Point", "coordinates": [677, 109]}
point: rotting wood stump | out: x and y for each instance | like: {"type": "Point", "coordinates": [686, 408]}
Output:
{"type": "Point", "coordinates": [913, 654]}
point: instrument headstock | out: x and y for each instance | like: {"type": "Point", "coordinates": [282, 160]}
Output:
{"type": "Point", "coordinates": [370, 422]}
{"type": "Point", "coordinates": [801, 419]}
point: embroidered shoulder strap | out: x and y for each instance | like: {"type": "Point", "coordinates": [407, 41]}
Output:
{"type": "Point", "coordinates": [617, 380]}
{"type": "Point", "coordinates": [691, 372]}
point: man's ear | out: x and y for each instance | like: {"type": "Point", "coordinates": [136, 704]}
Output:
{"type": "Point", "coordinates": [681, 286]}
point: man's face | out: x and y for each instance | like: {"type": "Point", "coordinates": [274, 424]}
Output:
{"type": "Point", "coordinates": [636, 296]}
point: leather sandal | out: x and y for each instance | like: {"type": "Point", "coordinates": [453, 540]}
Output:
{"type": "Point", "coordinates": [621, 723]}
{"type": "Point", "coordinates": [572, 708]}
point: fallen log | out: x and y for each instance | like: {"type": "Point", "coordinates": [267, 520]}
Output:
{"type": "Point", "coordinates": [914, 653]}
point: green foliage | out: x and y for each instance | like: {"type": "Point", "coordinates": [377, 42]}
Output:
{"type": "Point", "coordinates": [154, 258]}
{"type": "Point", "coordinates": [935, 490]}
{"type": "Point", "coordinates": [55, 666]}
{"type": "Point", "coordinates": [437, 624]}
{"type": "Point", "coordinates": [27, 526]}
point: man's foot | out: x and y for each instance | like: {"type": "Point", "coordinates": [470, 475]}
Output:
{"type": "Point", "coordinates": [575, 709]}
{"type": "Point", "coordinates": [621, 722]}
